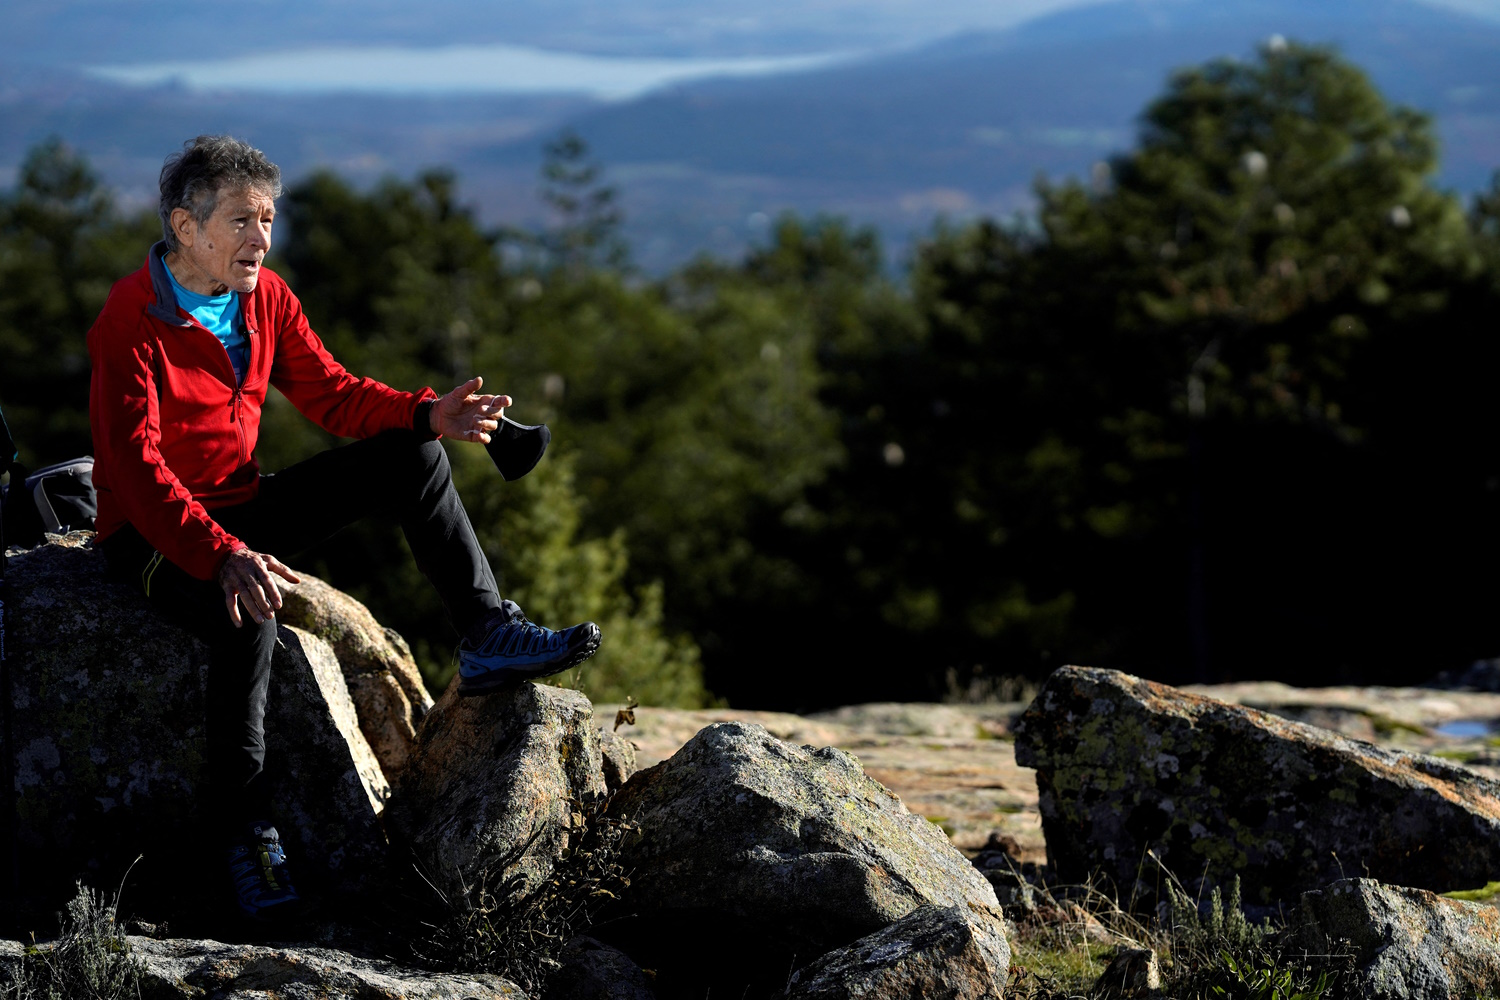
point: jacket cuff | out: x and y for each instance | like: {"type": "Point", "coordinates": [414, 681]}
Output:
{"type": "Point", "coordinates": [421, 419]}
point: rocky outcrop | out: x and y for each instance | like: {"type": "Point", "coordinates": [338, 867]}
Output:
{"type": "Point", "coordinates": [794, 845]}
{"type": "Point", "coordinates": [107, 719]}
{"type": "Point", "coordinates": [934, 952]}
{"type": "Point", "coordinates": [182, 969]}
{"type": "Point", "coordinates": [187, 969]}
{"type": "Point", "coordinates": [1408, 944]}
{"type": "Point", "coordinates": [378, 668]}
{"type": "Point", "coordinates": [1126, 766]}
{"type": "Point", "coordinates": [594, 971]}
{"type": "Point", "coordinates": [496, 777]}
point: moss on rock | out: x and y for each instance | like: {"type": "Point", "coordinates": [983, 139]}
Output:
{"type": "Point", "coordinates": [1128, 769]}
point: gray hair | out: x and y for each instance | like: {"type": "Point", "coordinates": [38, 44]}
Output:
{"type": "Point", "coordinates": [207, 165]}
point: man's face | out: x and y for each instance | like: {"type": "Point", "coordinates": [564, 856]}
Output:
{"type": "Point", "coordinates": [227, 249]}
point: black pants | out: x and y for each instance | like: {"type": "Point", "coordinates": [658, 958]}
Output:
{"type": "Point", "coordinates": [398, 473]}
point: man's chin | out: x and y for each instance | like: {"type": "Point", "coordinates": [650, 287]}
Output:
{"type": "Point", "coordinates": [247, 283]}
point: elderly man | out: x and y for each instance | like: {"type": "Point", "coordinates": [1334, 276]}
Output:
{"type": "Point", "coordinates": [183, 355]}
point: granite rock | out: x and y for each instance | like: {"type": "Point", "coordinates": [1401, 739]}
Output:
{"type": "Point", "coordinates": [618, 758]}
{"type": "Point", "coordinates": [1133, 972]}
{"type": "Point", "coordinates": [107, 721]}
{"type": "Point", "coordinates": [185, 969]}
{"type": "Point", "coordinates": [493, 775]}
{"type": "Point", "coordinates": [934, 952]}
{"type": "Point", "coordinates": [1408, 944]}
{"type": "Point", "coordinates": [378, 667]}
{"type": "Point", "coordinates": [1125, 766]}
{"type": "Point", "coordinates": [595, 971]}
{"type": "Point", "coordinates": [792, 844]}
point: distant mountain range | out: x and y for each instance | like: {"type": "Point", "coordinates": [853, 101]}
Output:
{"type": "Point", "coordinates": [957, 127]}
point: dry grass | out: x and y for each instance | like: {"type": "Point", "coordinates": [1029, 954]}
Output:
{"type": "Point", "coordinates": [497, 928]}
{"type": "Point", "coordinates": [1206, 949]}
{"type": "Point", "coordinates": [90, 960]}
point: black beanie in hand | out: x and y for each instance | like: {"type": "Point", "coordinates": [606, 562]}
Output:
{"type": "Point", "coordinates": [516, 448]}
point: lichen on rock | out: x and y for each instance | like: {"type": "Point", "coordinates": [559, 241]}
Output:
{"type": "Point", "coordinates": [107, 719]}
{"type": "Point", "coordinates": [1130, 772]}
{"type": "Point", "coordinates": [489, 773]}
{"type": "Point", "coordinates": [796, 844]}
{"type": "Point", "coordinates": [379, 670]}
{"type": "Point", "coordinates": [1407, 944]}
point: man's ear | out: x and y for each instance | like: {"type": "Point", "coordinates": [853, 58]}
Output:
{"type": "Point", "coordinates": [185, 226]}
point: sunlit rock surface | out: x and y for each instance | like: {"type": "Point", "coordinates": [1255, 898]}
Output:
{"type": "Point", "coordinates": [1125, 767]}
{"type": "Point", "coordinates": [377, 665]}
{"type": "Point", "coordinates": [934, 952]}
{"type": "Point", "coordinates": [1408, 944]}
{"type": "Point", "coordinates": [793, 844]}
{"type": "Point", "coordinates": [962, 777]}
{"type": "Point", "coordinates": [618, 755]}
{"type": "Point", "coordinates": [495, 777]}
{"type": "Point", "coordinates": [183, 969]}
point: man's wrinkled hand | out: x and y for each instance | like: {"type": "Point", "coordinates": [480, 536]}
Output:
{"type": "Point", "coordinates": [246, 578]}
{"type": "Point", "coordinates": [466, 416]}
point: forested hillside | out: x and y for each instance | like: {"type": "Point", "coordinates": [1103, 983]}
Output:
{"type": "Point", "coordinates": [1224, 411]}
{"type": "Point", "coordinates": [892, 136]}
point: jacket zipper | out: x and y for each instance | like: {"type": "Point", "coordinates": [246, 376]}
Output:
{"type": "Point", "coordinates": [239, 391]}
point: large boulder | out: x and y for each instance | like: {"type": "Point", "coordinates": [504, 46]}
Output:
{"type": "Point", "coordinates": [379, 671]}
{"type": "Point", "coordinates": [1125, 767]}
{"type": "Point", "coordinates": [934, 952]}
{"type": "Point", "coordinates": [1408, 944]}
{"type": "Point", "coordinates": [795, 847]}
{"type": "Point", "coordinates": [494, 785]}
{"type": "Point", "coordinates": [106, 717]}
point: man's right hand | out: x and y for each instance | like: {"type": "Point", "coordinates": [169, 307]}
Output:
{"type": "Point", "coordinates": [246, 576]}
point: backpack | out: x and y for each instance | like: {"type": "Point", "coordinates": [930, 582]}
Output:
{"type": "Point", "coordinates": [57, 499]}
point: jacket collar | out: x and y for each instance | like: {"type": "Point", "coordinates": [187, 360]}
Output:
{"type": "Point", "coordinates": [165, 308]}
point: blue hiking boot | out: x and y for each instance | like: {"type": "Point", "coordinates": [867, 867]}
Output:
{"type": "Point", "coordinates": [258, 870]}
{"type": "Point", "coordinates": [514, 649]}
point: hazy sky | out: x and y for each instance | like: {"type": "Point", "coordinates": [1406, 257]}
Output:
{"type": "Point", "coordinates": [602, 47]}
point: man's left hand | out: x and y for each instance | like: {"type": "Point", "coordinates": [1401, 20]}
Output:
{"type": "Point", "coordinates": [466, 416]}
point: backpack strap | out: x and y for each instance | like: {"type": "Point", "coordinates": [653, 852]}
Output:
{"type": "Point", "coordinates": [8, 454]}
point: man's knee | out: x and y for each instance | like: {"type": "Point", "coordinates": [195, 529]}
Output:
{"type": "Point", "coordinates": [416, 466]}
{"type": "Point", "coordinates": [410, 452]}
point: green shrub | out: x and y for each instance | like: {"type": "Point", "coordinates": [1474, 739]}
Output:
{"type": "Point", "coordinates": [90, 960]}
{"type": "Point", "coordinates": [1223, 930]}
{"type": "Point", "coordinates": [1267, 980]}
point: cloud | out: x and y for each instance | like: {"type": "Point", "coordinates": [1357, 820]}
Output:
{"type": "Point", "coordinates": [448, 69]}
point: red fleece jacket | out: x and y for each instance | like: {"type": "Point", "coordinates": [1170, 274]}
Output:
{"type": "Point", "coordinates": [174, 436]}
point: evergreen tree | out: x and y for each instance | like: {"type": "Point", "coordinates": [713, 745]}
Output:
{"type": "Point", "coordinates": [62, 245]}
